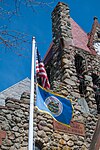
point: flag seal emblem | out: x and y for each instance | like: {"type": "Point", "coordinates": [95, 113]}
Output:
{"type": "Point", "coordinates": [54, 105]}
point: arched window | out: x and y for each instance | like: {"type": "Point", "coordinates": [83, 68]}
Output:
{"type": "Point", "coordinates": [96, 86]}
{"type": "Point", "coordinates": [79, 69]}
{"type": "Point", "coordinates": [38, 145]}
{"type": "Point", "coordinates": [78, 64]}
{"type": "Point", "coordinates": [98, 34]}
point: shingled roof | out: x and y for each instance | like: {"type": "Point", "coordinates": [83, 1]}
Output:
{"type": "Point", "coordinates": [80, 40]}
{"type": "Point", "coordinates": [15, 91]}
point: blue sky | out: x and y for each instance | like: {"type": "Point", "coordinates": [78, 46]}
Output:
{"type": "Point", "coordinates": [15, 64]}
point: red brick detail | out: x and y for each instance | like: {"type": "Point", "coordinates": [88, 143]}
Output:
{"type": "Point", "coordinates": [2, 136]}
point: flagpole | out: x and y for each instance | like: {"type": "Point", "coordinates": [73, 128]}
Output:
{"type": "Point", "coordinates": [31, 116]}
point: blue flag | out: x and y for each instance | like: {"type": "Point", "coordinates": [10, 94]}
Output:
{"type": "Point", "coordinates": [57, 106]}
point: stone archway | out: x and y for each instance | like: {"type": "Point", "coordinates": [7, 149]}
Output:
{"type": "Point", "coordinates": [96, 87]}
{"type": "Point", "coordinates": [80, 68]}
{"type": "Point", "coordinates": [38, 145]}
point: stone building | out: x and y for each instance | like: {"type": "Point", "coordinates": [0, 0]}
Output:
{"type": "Point", "coordinates": [73, 67]}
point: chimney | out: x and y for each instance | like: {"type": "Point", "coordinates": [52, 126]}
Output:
{"type": "Point", "coordinates": [61, 26]}
{"type": "Point", "coordinates": [92, 36]}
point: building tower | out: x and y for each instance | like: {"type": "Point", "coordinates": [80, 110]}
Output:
{"type": "Point", "coordinates": [73, 62]}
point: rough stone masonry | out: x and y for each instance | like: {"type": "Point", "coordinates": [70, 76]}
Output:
{"type": "Point", "coordinates": [14, 121]}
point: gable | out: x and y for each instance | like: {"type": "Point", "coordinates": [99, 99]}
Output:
{"type": "Point", "coordinates": [80, 38]}
{"type": "Point", "coordinates": [15, 91]}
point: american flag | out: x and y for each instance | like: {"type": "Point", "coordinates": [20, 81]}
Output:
{"type": "Point", "coordinates": [41, 72]}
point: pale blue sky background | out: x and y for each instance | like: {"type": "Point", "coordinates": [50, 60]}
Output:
{"type": "Point", "coordinates": [15, 67]}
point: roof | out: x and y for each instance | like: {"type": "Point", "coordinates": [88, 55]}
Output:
{"type": "Point", "coordinates": [80, 40]}
{"type": "Point", "coordinates": [15, 91]}
{"type": "Point", "coordinates": [49, 53]}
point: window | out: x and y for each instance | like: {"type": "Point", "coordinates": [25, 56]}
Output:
{"type": "Point", "coordinates": [98, 34]}
{"type": "Point", "coordinates": [78, 63]}
{"type": "Point", "coordinates": [80, 69]}
{"type": "Point", "coordinates": [38, 145]}
{"type": "Point", "coordinates": [96, 86]}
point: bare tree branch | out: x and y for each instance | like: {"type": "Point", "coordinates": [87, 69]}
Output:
{"type": "Point", "coordinates": [14, 40]}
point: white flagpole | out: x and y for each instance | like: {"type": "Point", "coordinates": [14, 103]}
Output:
{"type": "Point", "coordinates": [31, 119]}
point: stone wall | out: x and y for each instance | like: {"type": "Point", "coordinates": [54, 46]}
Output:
{"type": "Point", "coordinates": [14, 118]}
{"type": "Point", "coordinates": [61, 27]}
{"type": "Point", "coordinates": [14, 122]}
{"type": "Point", "coordinates": [69, 87]}
{"type": "Point", "coordinates": [66, 79]}
{"type": "Point", "coordinates": [15, 90]}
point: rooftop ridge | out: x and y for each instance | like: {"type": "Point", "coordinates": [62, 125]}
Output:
{"type": "Point", "coordinates": [14, 85]}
